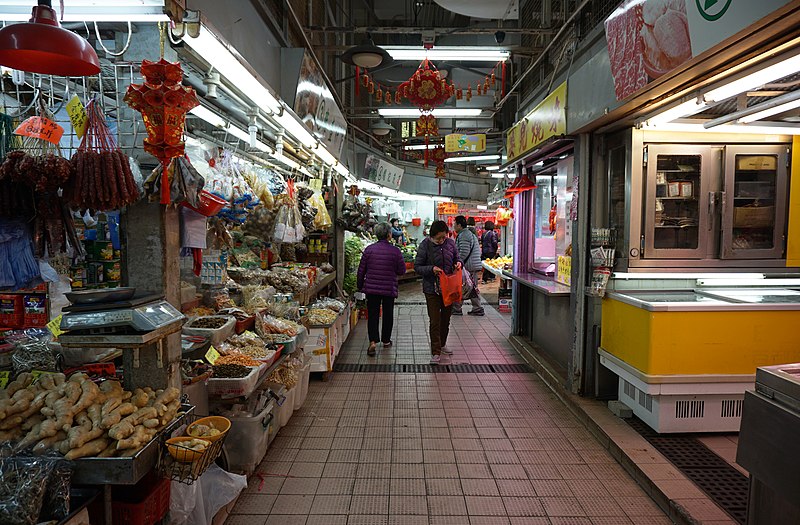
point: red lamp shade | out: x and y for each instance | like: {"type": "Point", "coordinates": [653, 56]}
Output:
{"type": "Point", "coordinates": [43, 46]}
{"type": "Point", "coordinates": [520, 184]}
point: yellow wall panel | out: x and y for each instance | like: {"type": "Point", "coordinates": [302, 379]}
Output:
{"type": "Point", "coordinates": [793, 239]}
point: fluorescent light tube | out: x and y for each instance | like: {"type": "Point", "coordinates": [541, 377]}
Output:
{"type": "Point", "coordinates": [230, 65]}
{"type": "Point", "coordinates": [690, 107]}
{"type": "Point", "coordinates": [763, 129]}
{"type": "Point", "coordinates": [492, 168]}
{"type": "Point", "coordinates": [503, 175]}
{"type": "Point", "coordinates": [438, 112]}
{"type": "Point", "coordinates": [285, 160]}
{"type": "Point", "coordinates": [217, 121]}
{"type": "Point", "coordinates": [482, 207]}
{"type": "Point", "coordinates": [472, 54]}
{"type": "Point", "coordinates": [414, 147]}
{"type": "Point", "coordinates": [754, 80]}
{"type": "Point", "coordinates": [342, 170]}
{"type": "Point", "coordinates": [92, 11]}
{"type": "Point", "coordinates": [769, 112]}
{"type": "Point", "coordinates": [471, 158]}
{"type": "Point", "coordinates": [296, 129]}
{"type": "Point", "coordinates": [325, 155]}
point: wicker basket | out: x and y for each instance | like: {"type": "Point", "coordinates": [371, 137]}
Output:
{"type": "Point", "coordinates": [754, 217]}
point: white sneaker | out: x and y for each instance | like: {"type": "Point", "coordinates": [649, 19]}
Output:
{"type": "Point", "coordinates": [447, 351]}
{"type": "Point", "coordinates": [436, 359]}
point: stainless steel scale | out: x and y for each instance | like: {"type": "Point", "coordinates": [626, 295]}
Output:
{"type": "Point", "coordinates": [139, 314]}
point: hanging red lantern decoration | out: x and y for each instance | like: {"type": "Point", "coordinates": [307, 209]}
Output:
{"type": "Point", "coordinates": [163, 102]}
{"type": "Point", "coordinates": [427, 126]}
{"type": "Point", "coordinates": [379, 95]}
{"type": "Point", "coordinates": [426, 89]}
{"type": "Point", "coordinates": [459, 94]}
{"type": "Point", "coordinates": [493, 79]}
{"type": "Point", "coordinates": [398, 98]}
{"type": "Point", "coordinates": [365, 80]}
{"type": "Point", "coordinates": [486, 85]}
{"type": "Point", "coordinates": [388, 98]}
{"type": "Point", "coordinates": [469, 93]}
{"type": "Point", "coordinates": [480, 89]}
{"type": "Point", "coordinates": [371, 87]}
{"type": "Point", "coordinates": [440, 172]}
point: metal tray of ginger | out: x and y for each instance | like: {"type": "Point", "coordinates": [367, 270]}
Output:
{"type": "Point", "coordinates": [125, 471]}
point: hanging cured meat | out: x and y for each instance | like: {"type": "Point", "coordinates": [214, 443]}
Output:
{"type": "Point", "coordinates": [163, 103]}
{"type": "Point", "coordinates": [103, 178]}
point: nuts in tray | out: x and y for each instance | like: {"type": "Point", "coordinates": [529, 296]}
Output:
{"type": "Point", "coordinates": [211, 323]}
{"type": "Point", "coordinates": [276, 338]}
{"type": "Point", "coordinates": [237, 359]}
{"type": "Point", "coordinates": [231, 371]}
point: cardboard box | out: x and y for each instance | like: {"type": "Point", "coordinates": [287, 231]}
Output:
{"type": "Point", "coordinates": [505, 306]}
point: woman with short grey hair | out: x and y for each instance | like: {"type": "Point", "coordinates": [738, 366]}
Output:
{"type": "Point", "coordinates": [381, 264]}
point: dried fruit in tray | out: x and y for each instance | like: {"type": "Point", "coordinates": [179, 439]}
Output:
{"type": "Point", "coordinates": [320, 317]}
{"type": "Point", "coordinates": [211, 323]}
{"type": "Point", "coordinates": [231, 371]}
{"type": "Point", "coordinates": [267, 324]}
{"type": "Point", "coordinates": [237, 359]}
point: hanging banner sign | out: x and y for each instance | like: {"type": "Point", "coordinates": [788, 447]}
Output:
{"type": "Point", "coordinates": [649, 38]}
{"type": "Point", "coordinates": [40, 128]}
{"type": "Point", "coordinates": [457, 142]}
{"type": "Point", "coordinates": [316, 107]}
{"type": "Point", "coordinates": [546, 120]}
{"type": "Point", "coordinates": [381, 172]}
{"type": "Point", "coordinates": [447, 208]}
{"type": "Point", "coordinates": [77, 115]}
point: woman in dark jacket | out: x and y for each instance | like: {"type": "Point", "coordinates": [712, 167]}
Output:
{"type": "Point", "coordinates": [380, 266]}
{"type": "Point", "coordinates": [437, 254]}
{"type": "Point", "coordinates": [489, 247]}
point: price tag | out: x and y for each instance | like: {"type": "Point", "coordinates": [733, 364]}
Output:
{"type": "Point", "coordinates": [77, 115]}
{"type": "Point", "coordinates": [315, 184]}
{"type": "Point", "coordinates": [40, 128]}
{"type": "Point", "coordinates": [4, 377]}
{"type": "Point", "coordinates": [55, 327]}
{"type": "Point", "coordinates": [212, 355]}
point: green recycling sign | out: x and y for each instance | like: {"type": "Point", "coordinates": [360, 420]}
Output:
{"type": "Point", "coordinates": [712, 10]}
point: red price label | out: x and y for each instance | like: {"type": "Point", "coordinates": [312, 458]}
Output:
{"type": "Point", "coordinates": [40, 128]}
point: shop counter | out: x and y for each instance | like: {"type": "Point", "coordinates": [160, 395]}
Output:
{"type": "Point", "coordinates": [542, 315]}
{"type": "Point", "coordinates": [686, 357]}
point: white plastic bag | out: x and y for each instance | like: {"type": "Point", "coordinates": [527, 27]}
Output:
{"type": "Point", "coordinates": [197, 504]}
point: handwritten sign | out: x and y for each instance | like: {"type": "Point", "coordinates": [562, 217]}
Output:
{"type": "Point", "coordinates": [40, 128]}
{"type": "Point", "coordinates": [77, 115]}
{"type": "Point", "coordinates": [315, 184]}
{"type": "Point", "coordinates": [55, 326]}
{"type": "Point", "coordinates": [212, 355]}
{"type": "Point", "coordinates": [4, 377]}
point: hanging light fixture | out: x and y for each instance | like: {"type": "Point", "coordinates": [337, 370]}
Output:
{"type": "Point", "coordinates": [381, 128]}
{"type": "Point", "coordinates": [41, 45]}
{"type": "Point", "coordinates": [366, 55]}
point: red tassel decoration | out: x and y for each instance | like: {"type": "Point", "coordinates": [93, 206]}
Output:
{"type": "Point", "coordinates": [503, 80]}
{"type": "Point", "coordinates": [165, 195]}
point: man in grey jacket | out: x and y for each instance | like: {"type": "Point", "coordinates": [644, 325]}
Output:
{"type": "Point", "coordinates": [469, 251]}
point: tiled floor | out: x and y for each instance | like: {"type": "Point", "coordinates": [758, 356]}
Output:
{"type": "Point", "coordinates": [447, 448]}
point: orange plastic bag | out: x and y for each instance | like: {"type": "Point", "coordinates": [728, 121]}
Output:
{"type": "Point", "coordinates": [451, 288]}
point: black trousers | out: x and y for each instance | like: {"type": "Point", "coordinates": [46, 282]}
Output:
{"type": "Point", "coordinates": [374, 304]}
{"type": "Point", "coordinates": [439, 315]}
{"type": "Point", "coordinates": [487, 275]}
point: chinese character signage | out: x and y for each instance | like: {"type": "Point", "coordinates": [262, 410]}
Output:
{"type": "Point", "coordinates": [548, 119]}
{"type": "Point", "coordinates": [456, 142]}
{"type": "Point", "coordinates": [381, 172]}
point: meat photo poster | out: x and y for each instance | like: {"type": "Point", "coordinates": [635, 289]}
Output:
{"type": "Point", "coordinates": [646, 39]}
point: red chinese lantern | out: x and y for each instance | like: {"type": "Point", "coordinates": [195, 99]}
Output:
{"type": "Point", "coordinates": [163, 103]}
{"type": "Point", "coordinates": [379, 95]}
{"type": "Point", "coordinates": [365, 80]}
{"type": "Point", "coordinates": [493, 79]}
{"type": "Point", "coordinates": [371, 87]}
{"type": "Point", "coordinates": [388, 98]}
{"type": "Point", "coordinates": [480, 89]}
{"type": "Point", "coordinates": [459, 94]}
{"type": "Point", "coordinates": [398, 98]}
{"type": "Point", "coordinates": [469, 92]}
{"type": "Point", "coordinates": [427, 126]}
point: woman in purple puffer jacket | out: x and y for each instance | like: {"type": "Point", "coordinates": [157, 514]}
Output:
{"type": "Point", "coordinates": [380, 266]}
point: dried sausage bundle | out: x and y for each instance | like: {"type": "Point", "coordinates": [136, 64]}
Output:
{"type": "Point", "coordinates": [103, 178]}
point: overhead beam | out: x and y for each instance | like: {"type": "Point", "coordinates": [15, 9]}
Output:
{"type": "Point", "coordinates": [399, 30]}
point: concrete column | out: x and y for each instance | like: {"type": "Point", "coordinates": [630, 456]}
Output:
{"type": "Point", "coordinates": [152, 265]}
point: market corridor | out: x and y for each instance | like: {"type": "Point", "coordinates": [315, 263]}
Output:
{"type": "Point", "coordinates": [438, 448]}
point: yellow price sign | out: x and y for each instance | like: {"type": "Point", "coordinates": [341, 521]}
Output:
{"type": "Point", "coordinates": [315, 184]}
{"type": "Point", "coordinates": [4, 377]}
{"type": "Point", "coordinates": [77, 115]}
{"type": "Point", "coordinates": [212, 355]}
{"type": "Point", "coordinates": [55, 327]}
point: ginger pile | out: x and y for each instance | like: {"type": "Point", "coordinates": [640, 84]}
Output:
{"type": "Point", "coordinates": [78, 418]}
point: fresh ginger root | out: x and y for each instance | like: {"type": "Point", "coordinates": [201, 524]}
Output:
{"type": "Point", "coordinates": [138, 439]}
{"type": "Point", "coordinates": [116, 415]}
{"type": "Point", "coordinates": [92, 448]}
{"type": "Point", "coordinates": [127, 426]}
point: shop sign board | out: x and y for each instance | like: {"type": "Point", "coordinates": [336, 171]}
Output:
{"type": "Point", "coordinates": [457, 142]}
{"type": "Point", "coordinates": [548, 119]}
{"type": "Point", "coordinates": [647, 39]}
{"type": "Point", "coordinates": [447, 208]}
{"type": "Point", "coordinates": [316, 107]}
{"type": "Point", "coordinates": [384, 173]}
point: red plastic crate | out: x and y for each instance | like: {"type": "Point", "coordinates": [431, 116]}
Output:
{"type": "Point", "coordinates": [145, 503]}
{"type": "Point", "coordinates": [247, 324]}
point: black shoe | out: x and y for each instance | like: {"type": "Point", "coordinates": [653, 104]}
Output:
{"type": "Point", "coordinates": [371, 349]}
{"type": "Point", "coordinates": [387, 345]}
{"type": "Point", "coordinates": [457, 312]}
{"type": "Point", "coordinates": [479, 313]}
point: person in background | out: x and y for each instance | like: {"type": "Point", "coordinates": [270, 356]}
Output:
{"type": "Point", "coordinates": [469, 251]}
{"type": "Point", "coordinates": [381, 264]}
{"type": "Point", "coordinates": [436, 255]}
{"type": "Point", "coordinates": [397, 233]}
{"type": "Point", "coordinates": [489, 246]}
{"type": "Point", "coordinates": [471, 226]}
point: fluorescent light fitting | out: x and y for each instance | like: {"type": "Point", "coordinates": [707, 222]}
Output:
{"type": "Point", "coordinates": [296, 129]}
{"type": "Point", "coordinates": [342, 170]}
{"type": "Point", "coordinates": [230, 65]}
{"type": "Point", "coordinates": [753, 80]}
{"type": "Point", "coordinates": [471, 54]}
{"type": "Point", "coordinates": [690, 107]}
{"type": "Point", "coordinates": [769, 112]}
{"type": "Point", "coordinates": [503, 175]}
{"type": "Point", "coordinates": [413, 147]}
{"type": "Point", "coordinates": [92, 11]}
{"type": "Point", "coordinates": [215, 120]}
{"type": "Point", "coordinates": [283, 159]}
{"type": "Point", "coordinates": [438, 112]}
{"type": "Point", "coordinates": [325, 155]}
{"type": "Point", "coordinates": [763, 129]}
{"type": "Point", "coordinates": [492, 168]}
{"type": "Point", "coordinates": [482, 207]}
{"type": "Point", "coordinates": [471, 158]}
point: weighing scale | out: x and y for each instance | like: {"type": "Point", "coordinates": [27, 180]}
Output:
{"type": "Point", "coordinates": [139, 314]}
